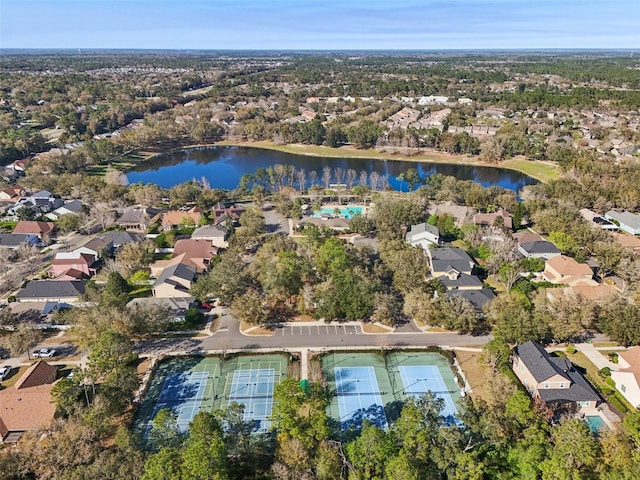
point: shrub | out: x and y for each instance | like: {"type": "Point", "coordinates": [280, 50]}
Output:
{"type": "Point", "coordinates": [193, 316]}
{"type": "Point", "coordinates": [607, 391]}
{"type": "Point", "coordinates": [619, 404]}
{"type": "Point", "coordinates": [571, 349]}
{"type": "Point", "coordinates": [605, 372]}
{"type": "Point", "coordinates": [610, 382]}
{"type": "Point", "coordinates": [613, 356]}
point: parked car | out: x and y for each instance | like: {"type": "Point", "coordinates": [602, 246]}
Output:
{"type": "Point", "coordinates": [4, 372]}
{"type": "Point", "coordinates": [44, 353]}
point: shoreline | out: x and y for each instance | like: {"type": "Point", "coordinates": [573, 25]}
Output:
{"type": "Point", "coordinates": [541, 171]}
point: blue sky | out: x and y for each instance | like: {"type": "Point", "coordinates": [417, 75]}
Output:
{"type": "Point", "coordinates": [323, 25]}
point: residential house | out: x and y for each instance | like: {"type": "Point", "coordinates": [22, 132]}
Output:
{"type": "Point", "coordinates": [197, 253]}
{"type": "Point", "coordinates": [42, 202]}
{"type": "Point", "coordinates": [566, 270]}
{"type": "Point", "coordinates": [627, 241]}
{"type": "Point", "coordinates": [597, 221]}
{"type": "Point", "coordinates": [337, 224]}
{"type": "Point", "coordinates": [216, 234]}
{"type": "Point", "coordinates": [174, 281]}
{"type": "Point", "coordinates": [489, 219]}
{"type": "Point", "coordinates": [176, 219]}
{"type": "Point", "coordinates": [628, 221]}
{"type": "Point", "coordinates": [477, 298]}
{"type": "Point", "coordinates": [65, 292]}
{"type": "Point", "coordinates": [453, 279]}
{"type": "Point", "coordinates": [138, 218]}
{"type": "Point", "coordinates": [553, 379]}
{"type": "Point", "coordinates": [27, 405]}
{"type": "Point", "coordinates": [461, 213]}
{"type": "Point", "coordinates": [594, 293]}
{"type": "Point", "coordinates": [74, 207]}
{"type": "Point", "coordinates": [221, 212]}
{"type": "Point", "coordinates": [13, 241]}
{"type": "Point", "coordinates": [538, 249]}
{"type": "Point", "coordinates": [12, 193]}
{"type": "Point", "coordinates": [97, 247]}
{"type": "Point", "coordinates": [423, 235]}
{"type": "Point", "coordinates": [39, 229]}
{"type": "Point", "coordinates": [627, 378]}
{"type": "Point", "coordinates": [176, 307]}
{"type": "Point", "coordinates": [78, 265]}
{"type": "Point", "coordinates": [120, 239]}
{"type": "Point", "coordinates": [526, 237]}
{"type": "Point", "coordinates": [443, 260]}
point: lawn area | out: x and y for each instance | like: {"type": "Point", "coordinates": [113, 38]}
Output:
{"type": "Point", "coordinates": [476, 372]}
{"type": "Point", "coordinates": [580, 360]}
{"type": "Point", "coordinates": [541, 171]}
{"type": "Point", "coordinates": [16, 373]}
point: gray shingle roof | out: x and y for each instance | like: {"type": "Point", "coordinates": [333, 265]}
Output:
{"type": "Point", "coordinates": [540, 247]}
{"type": "Point", "coordinates": [421, 228]}
{"type": "Point", "coordinates": [478, 298]}
{"type": "Point", "coordinates": [460, 281]}
{"type": "Point", "coordinates": [122, 238]}
{"type": "Point", "coordinates": [543, 366]}
{"type": "Point", "coordinates": [12, 240]}
{"type": "Point", "coordinates": [443, 259]}
{"type": "Point", "coordinates": [537, 361]}
{"type": "Point", "coordinates": [179, 270]}
{"type": "Point", "coordinates": [626, 218]}
{"type": "Point", "coordinates": [209, 231]}
{"type": "Point", "coordinates": [52, 289]}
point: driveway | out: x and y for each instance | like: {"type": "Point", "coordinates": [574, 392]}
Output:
{"type": "Point", "coordinates": [275, 222]}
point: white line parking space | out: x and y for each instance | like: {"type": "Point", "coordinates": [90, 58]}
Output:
{"type": "Point", "coordinates": [319, 330]}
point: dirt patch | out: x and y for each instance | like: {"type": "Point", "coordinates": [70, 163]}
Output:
{"type": "Point", "coordinates": [302, 318]}
{"type": "Point", "coordinates": [142, 367]}
{"type": "Point", "coordinates": [215, 324]}
{"type": "Point", "coordinates": [248, 329]}
{"type": "Point", "coordinates": [373, 328]}
{"type": "Point", "coordinates": [476, 372]}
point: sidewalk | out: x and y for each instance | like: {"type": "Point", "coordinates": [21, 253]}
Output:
{"type": "Point", "coordinates": [596, 357]}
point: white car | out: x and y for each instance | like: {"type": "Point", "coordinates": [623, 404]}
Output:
{"type": "Point", "coordinates": [44, 353]}
{"type": "Point", "coordinates": [4, 371]}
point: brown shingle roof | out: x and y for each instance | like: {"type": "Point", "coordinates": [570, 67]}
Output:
{"type": "Point", "coordinates": [25, 410]}
{"type": "Point", "coordinates": [36, 228]}
{"type": "Point", "coordinates": [176, 217]}
{"type": "Point", "coordinates": [568, 266]}
{"type": "Point", "coordinates": [632, 357]}
{"type": "Point", "coordinates": [40, 373]}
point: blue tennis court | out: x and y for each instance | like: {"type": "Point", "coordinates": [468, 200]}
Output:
{"type": "Point", "coordinates": [183, 393]}
{"type": "Point", "coordinates": [254, 389]}
{"type": "Point", "coordinates": [359, 397]}
{"type": "Point", "coordinates": [420, 379]}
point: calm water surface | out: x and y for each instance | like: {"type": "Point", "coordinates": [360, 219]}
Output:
{"type": "Point", "coordinates": [223, 167]}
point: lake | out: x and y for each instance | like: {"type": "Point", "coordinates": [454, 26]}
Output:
{"type": "Point", "coordinates": [223, 167]}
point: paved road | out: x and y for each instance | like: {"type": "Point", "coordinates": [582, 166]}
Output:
{"type": "Point", "coordinates": [275, 222]}
{"type": "Point", "coordinates": [329, 335]}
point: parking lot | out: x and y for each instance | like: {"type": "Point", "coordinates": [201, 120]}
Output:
{"type": "Point", "coordinates": [319, 330]}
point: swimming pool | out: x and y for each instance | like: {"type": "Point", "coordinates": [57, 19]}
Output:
{"type": "Point", "coordinates": [345, 212]}
{"type": "Point", "coordinates": [596, 423]}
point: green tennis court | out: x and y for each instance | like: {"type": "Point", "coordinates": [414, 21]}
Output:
{"type": "Point", "coordinates": [371, 386]}
{"type": "Point", "coordinates": [190, 385]}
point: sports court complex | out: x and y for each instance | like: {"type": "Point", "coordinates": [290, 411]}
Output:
{"type": "Point", "coordinates": [372, 386]}
{"type": "Point", "coordinates": [190, 385]}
